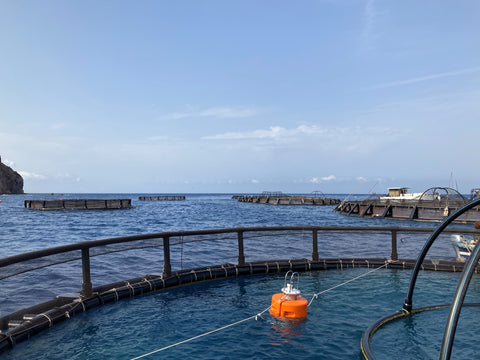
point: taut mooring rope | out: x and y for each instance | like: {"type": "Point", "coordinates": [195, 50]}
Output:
{"type": "Point", "coordinates": [201, 335]}
{"type": "Point", "coordinates": [346, 282]}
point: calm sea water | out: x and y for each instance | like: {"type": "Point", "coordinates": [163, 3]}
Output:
{"type": "Point", "coordinates": [332, 329]}
{"type": "Point", "coordinates": [25, 230]}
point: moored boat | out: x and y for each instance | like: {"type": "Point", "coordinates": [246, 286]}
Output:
{"type": "Point", "coordinates": [401, 193]}
{"type": "Point", "coordinates": [463, 246]}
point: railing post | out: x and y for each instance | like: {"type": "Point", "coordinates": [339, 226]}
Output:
{"type": "Point", "coordinates": [87, 290]}
{"type": "Point", "coordinates": [167, 266]}
{"type": "Point", "coordinates": [315, 245]}
{"type": "Point", "coordinates": [394, 255]}
{"type": "Point", "coordinates": [241, 254]}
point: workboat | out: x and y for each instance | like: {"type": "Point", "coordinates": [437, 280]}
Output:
{"type": "Point", "coordinates": [401, 193]}
{"type": "Point", "coordinates": [463, 246]}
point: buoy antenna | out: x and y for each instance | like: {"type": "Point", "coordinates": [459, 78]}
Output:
{"type": "Point", "coordinates": [289, 289]}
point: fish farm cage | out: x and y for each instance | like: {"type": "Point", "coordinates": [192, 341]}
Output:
{"type": "Point", "coordinates": [434, 205]}
{"type": "Point", "coordinates": [74, 278]}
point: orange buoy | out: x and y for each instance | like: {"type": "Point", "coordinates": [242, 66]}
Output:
{"type": "Point", "coordinates": [289, 304]}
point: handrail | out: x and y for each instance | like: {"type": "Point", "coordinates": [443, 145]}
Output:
{"type": "Point", "coordinates": [13, 259]}
{"type": "Point", "coordinates": [166, 236]}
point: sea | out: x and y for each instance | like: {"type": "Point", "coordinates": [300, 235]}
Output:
{"type": "Point", "coordinates": [25, 230]}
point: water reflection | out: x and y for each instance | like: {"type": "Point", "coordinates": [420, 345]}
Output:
{"type": "Point", "coordinates": [286, 330]}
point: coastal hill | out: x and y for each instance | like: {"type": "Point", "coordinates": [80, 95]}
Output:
{"type": "Point", "coordinates": [11, 182]}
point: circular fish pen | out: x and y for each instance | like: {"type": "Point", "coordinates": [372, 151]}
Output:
{"type": "Point", "coordinates": [194, 321]}
{"type": "Point", "coordinates": [182, 258]}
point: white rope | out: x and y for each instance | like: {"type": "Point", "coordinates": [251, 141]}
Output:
{"type": "Point", "coordinates": [254, 316]}
{"type": "Point", "coordinates": [346, 282]}
{"type": "Point", "coordinates": [202, 335]}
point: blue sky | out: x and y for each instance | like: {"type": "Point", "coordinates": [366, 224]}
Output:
{"type": "Point", "coordinates": [240, 96]}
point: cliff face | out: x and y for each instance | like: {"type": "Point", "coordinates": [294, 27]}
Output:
{"type": "Point", "coordinates": [11, 182]}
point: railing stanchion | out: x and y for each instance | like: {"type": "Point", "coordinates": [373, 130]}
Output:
{"type": "Point", "coordinates": [167, 266]}
{"type": "Point", "coordinates": [241, 254]}
{"type": "Point", "coordinates": [87, 290]}
{"type": "Point", "coordinates": [394, 255]}
{"type": "Point", "coordinates": [315, 245]}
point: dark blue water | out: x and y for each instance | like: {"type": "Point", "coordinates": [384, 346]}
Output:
{"type": "Point", "coordinates": [332, 330]}
{"type": "Point", "coordinates": [25, 230]}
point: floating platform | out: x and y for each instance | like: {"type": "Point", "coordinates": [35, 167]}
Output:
{"type": "Point", "coordinates": [414, 210]}
{"type": "Point", "coordinates": [286, 200]}
{"type": "Point", "coordinates": [79, 204]}
{"type": "Point", "coordinates": [162, 198]}
{"type": "Point", "coordinates": [434, 204]}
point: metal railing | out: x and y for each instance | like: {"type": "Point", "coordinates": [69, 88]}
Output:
{"type": "Point", "coordinates": [164, 238]}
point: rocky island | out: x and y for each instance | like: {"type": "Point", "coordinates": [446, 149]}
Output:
{"type": "Point", "coordinates": [11, 182]}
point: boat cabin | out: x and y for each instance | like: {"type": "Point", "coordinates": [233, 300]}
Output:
{"type": "Point", "coordinates": [397, 191]}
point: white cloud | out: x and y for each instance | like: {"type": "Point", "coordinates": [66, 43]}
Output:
{"type": "Point", "coordinates": [358, 140]}
{"type": "Point", "coordinates": [329, 178]}
{"type": "Point", "coordinates": [273, 132]}
{"type": "Point", "coordinates": [8, 163]}
{"type": "Point", "coordinates": [317, 180]}
{"type": "Point", "coordinates": [370, 15]}
{"type": "Point", "coordinates": [30, 175]}
{"type": "Point", "coordinates": [425, 78]}
{"type": "Point", "coordinates": [221, 112]}
{"type": "Point", "coordinates": [158, 138]}
{"type": "Point", "coordinates": [308, 141]}
{"type": "Point", "coordinates": [35, 176]}
{"type": "Point", "coordinates": [226, 112]}
{"type": "Point", "coordinates": [311, 130]}
{"type": "Point", "coordinates": [255, 181]}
